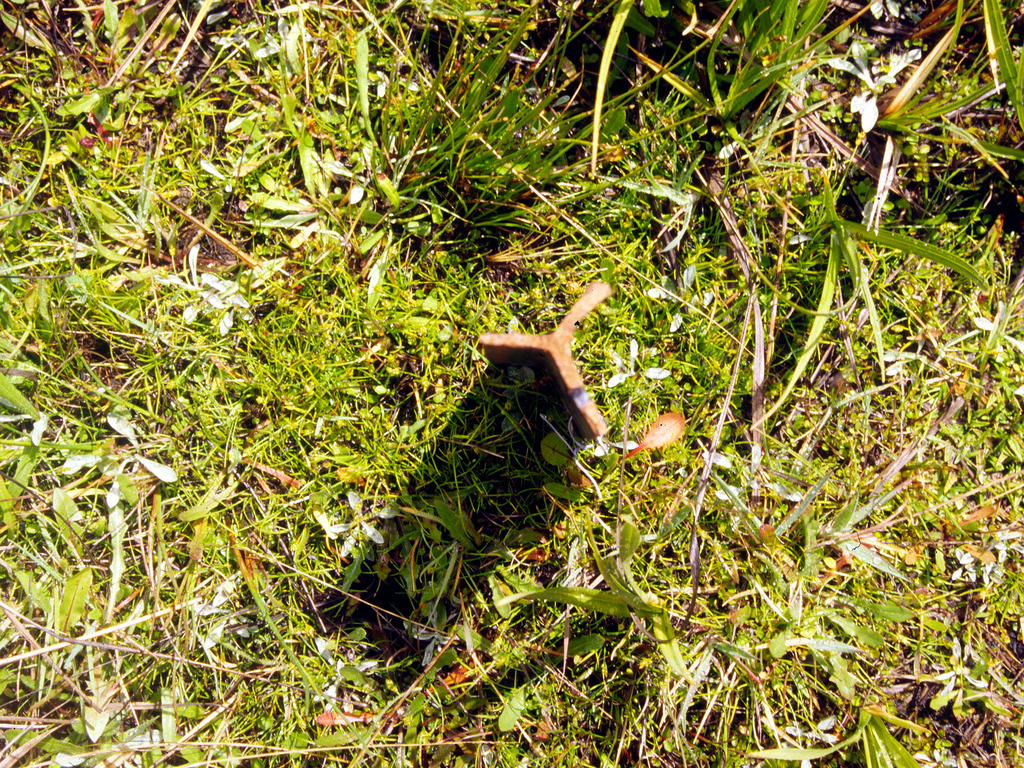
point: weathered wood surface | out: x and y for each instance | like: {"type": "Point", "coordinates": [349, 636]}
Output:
{"type": "Point", "coordinates": [553, 350]}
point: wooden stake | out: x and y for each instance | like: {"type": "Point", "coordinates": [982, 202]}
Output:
{"type": "Point", "coordinates": [553, 350]}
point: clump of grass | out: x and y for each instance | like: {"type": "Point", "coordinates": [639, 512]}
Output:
{"type": "Point", "coordinates": [262, 495]}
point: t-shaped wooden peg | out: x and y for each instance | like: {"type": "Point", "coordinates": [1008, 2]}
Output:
{"type": "Point", "coordinates": [553, 350]}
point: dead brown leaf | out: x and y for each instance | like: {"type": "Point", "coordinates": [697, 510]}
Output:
{"type": "Point", "coordinates": [665, 430]}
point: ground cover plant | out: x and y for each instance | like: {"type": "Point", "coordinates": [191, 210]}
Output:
{"type": "Point", "coordinates": [263, 500]}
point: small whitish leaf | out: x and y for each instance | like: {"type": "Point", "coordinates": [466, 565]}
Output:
{"type": "Point", "coordinates": [161, 472]}
{"type": "Point", "coordinates": [792, 753]}
{"type": "Point", "coordinates": [118, 421]}
{"type": "Point", "coordinates": [211, 169]}
{"type": "Point", "coordinates": [39, 429]}
{"type": "Point", "coordinates": [95, 722]}
{"type": "Point", "coordinates": [73, 601]}
{"type": "Point", "coordinates": [373, 534]}
{"type": "Point", "coordinates": [665, 430]}
{"type": "Point", "coordinates": [819, 644]}
{"type": "Point", "coordinates": [514, 707]}
{"type": "Point", "coordinates": [554, 450]}
{"type": "Point", "coordinates": [79, 461]}
{"type": "Point", "coordinates": [617, 379]}
{"type": "Point", "coordinates": [657, 373]}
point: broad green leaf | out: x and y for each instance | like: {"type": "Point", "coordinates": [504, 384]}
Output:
{"type": "Point", "coordinates": [515, 704]}
{"type": "Point", "coordinates": [914, 247]}
{"type": "Point", "coordinates": [663, 631]}
{"type": "Point", "coordinates": [581, 646]}
{"type": "Point", "coordinates": [872, 558]}
{"type": "Point", "coordinates": [312, 169]}
{"type": "Point", "coordinates": [618, 22]}
{"type": "Point", "coordinates": [887, 751]}
{"type": "Point", "coordinates": [582, 597]}
{"type": "Point", "coordinates": [805, 502]}
{"type": "Point", "coordinates": [117, 528]}
{"type": "Point", "coordinates": [363, 77]}
{"type": "Point", "coordinates": [554, 450]}
{"type": "Point", "coordinates": [869, 637]}
{"type": "Point", "coordinates": [885, 611]}
{"type": "Point", "coordinates": [11, 398]}
{"type": "Point", "coordinates": [458, 525]}
{"type": "Point", "coordinates": [110, 19]}
{"type": "Point", "coordinates": [74, 601]}
{"type": "Point", "coordinates": [852, 252]}
{"type": "Point", "coordinates": [629, 540]}
{"type": "Point", "coordinates": [67, 515]}
{"type": "Point", "coordinates": [822, 644]}
{"type": "Point", "coordinates": [899, 722]}
{"type": "Point", "coordinates": [95, 722]}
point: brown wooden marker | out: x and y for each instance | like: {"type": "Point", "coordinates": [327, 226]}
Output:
{"type": "Point", "coordinates": [553, 350]}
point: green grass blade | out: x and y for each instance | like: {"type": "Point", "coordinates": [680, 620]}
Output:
{"type": "Point", "coordinates": [1000, 56]}
{"type": "Point", "coordinates": [828, 292]}
{"type": "Point", "coordinates": [621, 13]}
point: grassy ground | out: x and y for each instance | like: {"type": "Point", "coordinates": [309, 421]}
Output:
{"type": "Point", "coordinates": [263, 500]}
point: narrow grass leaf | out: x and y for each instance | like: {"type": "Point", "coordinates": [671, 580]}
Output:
{"type": "Point", "coordinates": [618, 22]}
{"type": "Point", "coordinates": [914, 247]}
{"type": "Point", "coordinates": [11, 398]}
{"type": "Point", "coordinates": [1000, 56]}
{"type": "Point", "coordinates": [74, 601]}
{"type": "Point", "coordinates": [807, 500]}
{"type": "Point", "coordinates": [916, 81]}
{"type": "Point", "coordinates": [828, 292]}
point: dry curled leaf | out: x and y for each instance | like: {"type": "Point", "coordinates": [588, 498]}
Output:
{"type": "Point", "coordinates": [665, 430]}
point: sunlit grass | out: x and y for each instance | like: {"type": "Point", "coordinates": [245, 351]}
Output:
{"type": "Point", "coordinates": [252, 452]}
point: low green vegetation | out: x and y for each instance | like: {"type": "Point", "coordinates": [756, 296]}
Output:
{"type": "Point", "coordinates": [263, 500]}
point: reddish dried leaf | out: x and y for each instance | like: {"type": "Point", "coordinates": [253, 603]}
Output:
{"type": "Point", "coordinates": [665, 430]}
{"type": "Point", "coordinates": [343, 718]}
